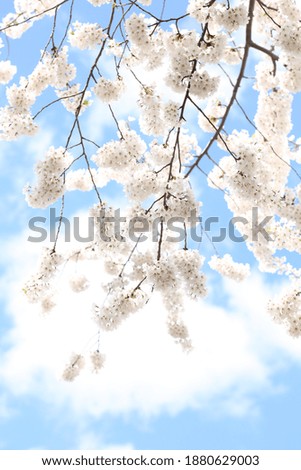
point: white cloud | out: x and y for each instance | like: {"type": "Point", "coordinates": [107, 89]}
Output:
{"type": "Point", "coordinates": [91, 441]}
{"type": "Point", "coordinates": [237, 350]}
{"type": "Point", "coordinates": [5, 409]}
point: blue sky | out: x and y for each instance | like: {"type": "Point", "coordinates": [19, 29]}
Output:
{"type": "Point", "coordinates": [239, 388]}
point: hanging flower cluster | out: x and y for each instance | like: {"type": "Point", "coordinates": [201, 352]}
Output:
{"type": "Point", "coordinates": [183, 75]}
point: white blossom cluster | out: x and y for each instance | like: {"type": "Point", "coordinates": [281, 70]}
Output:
{"type": "Point", "coordinates": [77, 363]}
{"type": "Point", "coordinates": [136, 28]}
{"type": "Point", "coordinates": [120, 154]}
{"type": "Point", "coordinates": [99, 3]}
{"type": "Point", "coordinates": [123, 303]}
{"type": "Point", "coordinates": [256, 175]}
{"type": "Point", "coordinates": [16, 118]}
{"type": "Point", "coordinates": [15, 24]}
{"type": "Point", "coordinates": [156, 118]}
{"type": "Point", "coordinates": [213, 112]}
{"type": "Point", "coordinates": [182, 50]}
{"type": "Point", "coordinates": [81, 179]}
{"type": "Point", "coordinates": [53, 70]}
{"type": "Point", "coordinates": [14, 125]}
{"type": "Point", "coordinates": [265, 78]}
{"type": "Point", "coordinates": [203, 85]}
{"type": "Point", "coordinates": [290, 79]}
{"type": "Point", "coordinates": [114, 48]}
{"type": "Point", "coordinates": [79, 282]}
{"type": "Point", "coordinates": [19, 98]}
{"type": "Point", "coordinates": [97, 360]}
{"type": "Point", "coordinates": [287, 310]}
{"type": "Point", "coordinates": [189, 264]}
{"type": "Point", "coordinates": [274, 123]}
{"type": "Point", "coordinates": [109, 90]}
{"type": "Point", "coordinates": [72, 370]}
{"type": "Point", "coordinates": [289, 38]}
{"type": "Point", "coordinates": [38, 287]}
{"type": "Point", "coordinates": [7, 69]}
{"type": "Point", "coordinates": [25, 14]}
{"type": "Point", "coordinates": [107, 241]}
{"type": "Point", "coordinates": [50, 182]}
{"type": "Point", "coordinates": [73, 100]}
{"type": "Point", "coordinates": [178, 330]}
{"type": "Point", "coordinates": [86, 35]}
{"type": "Point", "coordinates": [229, 268]}
{"type": "Point", "coordinates": [174, 277]}
{"type": "Point", "coordinates": [61, 71]}
{"type": "Point", "coordinates": [219, 15]}
{"type": "Point", "coordinates": [231, 18]}
{"type": "Point", "coordinates": [145, 46]}
{"type": "Point", "coordinates": [180, 200]}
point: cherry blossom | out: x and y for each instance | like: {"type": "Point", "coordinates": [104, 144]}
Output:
{"type": "Point", "coordinates": [186, 78]}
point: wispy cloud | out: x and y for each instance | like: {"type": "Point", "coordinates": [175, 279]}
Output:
{"type": "Point", "coordinates": [237, 351]}
{"type": "Point", "coordinates": [92, 441]}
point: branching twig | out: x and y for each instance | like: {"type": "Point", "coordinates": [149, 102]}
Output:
{"type": "Point", "coordinates": [235, 89]}
{"type": "Point", "coordinates": [13, 23]}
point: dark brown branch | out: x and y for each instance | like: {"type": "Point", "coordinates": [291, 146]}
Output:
{"type": "Point", "coordinates": [160, 240]}
{"type": "Point", "coordinates": [60, 223]}
{"type": "Point", "coordinates": [235, 89]}
{"type": "Point", "coordinates": [130, 256]}
{"type": "Point", "coordinates": [214, 126]}
{"type": "Point", "coordinates": [265, 8]}
{"type": "Point", "coordinates": [269, 52]}
{"type": "Point", "coordinates": [116, 122]}
{"type": "Point", "coordinates": [55, 101]}
{"type": "Point", "coordinates": [51, 38]}
{"type": "Point", "coordinates": [68, 25]}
